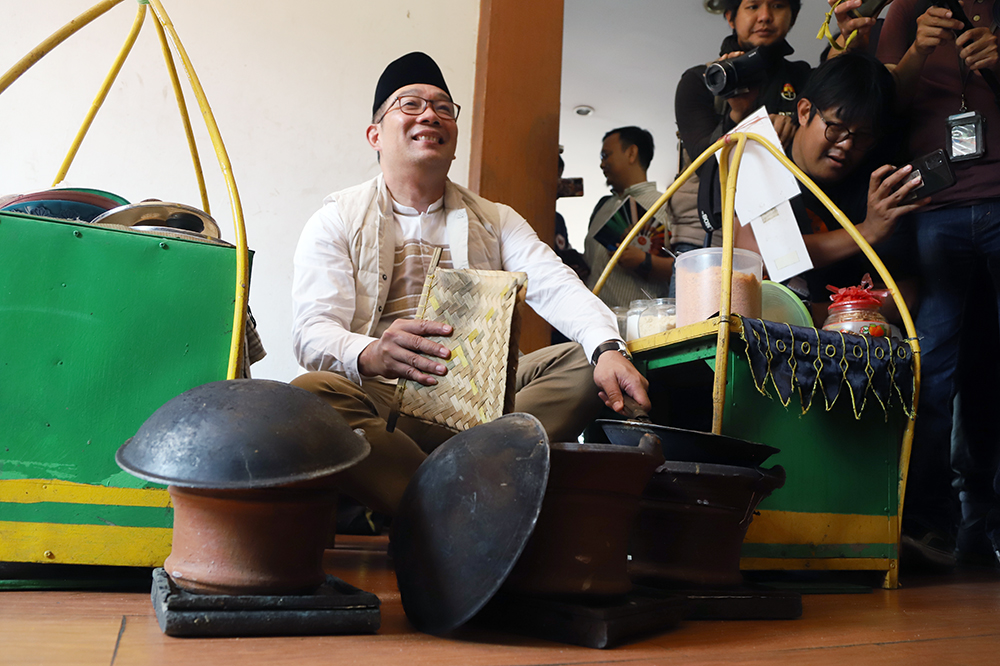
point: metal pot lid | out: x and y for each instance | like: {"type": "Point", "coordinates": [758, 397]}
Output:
{"type": "Point", "coordinates": [170, 232]}
{"type": "Point", "coordinates": [465, 518]}
{"type": "Point", "coordinates": [241, 433]}
{"type": "Point", "coordinates": [161, 214]}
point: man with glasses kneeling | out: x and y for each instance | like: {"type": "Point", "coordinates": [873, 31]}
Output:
{"type": "Point", "coordinates": [359, 270]}
{"type": "Point", "coordinates": [844, 115]}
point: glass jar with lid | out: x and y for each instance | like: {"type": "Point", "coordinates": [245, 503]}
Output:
{"type": "Point", "coordinates": [658, 317]}
{"type": "Point", "coordinates": [635, 309]}
{"type": "Point", "coordinates": [856, 310]}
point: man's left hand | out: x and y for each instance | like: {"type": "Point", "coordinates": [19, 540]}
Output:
{"type": "Point", "coordinates": [614, 375]}
{"type": "Point", "coordinates": [742, 105]}
{"type": "Point", "coordinates": [978, 49]}
{"type": "Point", "coordinates": [631, 258]}
{"type": "Point", "coordinates": [887, 190]}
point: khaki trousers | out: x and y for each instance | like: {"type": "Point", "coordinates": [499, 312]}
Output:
{"type": "Point", "coordinates": [555, 384]}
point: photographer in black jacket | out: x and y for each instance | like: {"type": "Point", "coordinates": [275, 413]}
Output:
{"type": "Point", "coordinates": [702, 117]}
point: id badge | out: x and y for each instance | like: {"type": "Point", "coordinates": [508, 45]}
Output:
{"type": "Point", "coordinates": [966, 140]}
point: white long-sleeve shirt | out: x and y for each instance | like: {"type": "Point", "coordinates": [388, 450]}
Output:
{"type": "Point", "coordinates": [326, 271]}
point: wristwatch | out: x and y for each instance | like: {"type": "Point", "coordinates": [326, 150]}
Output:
{"type": "Point", "coordinates": [644, 269]}
{"type": "Point", "coordinates": [610, 345]}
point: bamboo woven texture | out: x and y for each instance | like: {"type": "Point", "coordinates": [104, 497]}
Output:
{"type": "Point", "coordinates": [481, 307]}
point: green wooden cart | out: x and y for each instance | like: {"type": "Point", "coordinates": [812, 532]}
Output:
{"type": "Point", "coordinates": [838, 508]}
{"type": "Point", "coordinates": [841, 504]}
{"type": "Point", "coordinates": [98, 328]}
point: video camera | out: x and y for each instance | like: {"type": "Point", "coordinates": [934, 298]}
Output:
{"type": "Point", "coordinates": [728, 78]}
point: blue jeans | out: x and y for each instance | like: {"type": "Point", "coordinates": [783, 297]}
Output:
{"type": "Point", "coordinates": [950, 243]}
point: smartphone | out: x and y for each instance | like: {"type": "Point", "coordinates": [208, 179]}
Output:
{"type": "Point", "coordinates": [870, 8]}
{"type": "Point", "coordinates": [935, 170]}
{"type": "Point", "coordinates": [570, 187]}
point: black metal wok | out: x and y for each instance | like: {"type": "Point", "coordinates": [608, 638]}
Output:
{"type": "Point", "coordinates": [689, 445]}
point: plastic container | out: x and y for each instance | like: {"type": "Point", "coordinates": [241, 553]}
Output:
{"type": "Point", "coordinates": [699, 284]}
{"type": "Point", "coordinates": [635, 309]}
{"type": "Point", "coordinates": [658, 317]}
{"type": "Point", "coordinates": [779, 303]}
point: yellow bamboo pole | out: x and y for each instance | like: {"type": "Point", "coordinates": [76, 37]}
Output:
{"type": "Point", "coordinates": [185, 118]}
{"type": "Point", "coordinates": [102, 94]}
{"type": "Point", "coordinates": [54, 40]}
{"type": "Point", "coordinates": [727, 176]}
{"type": "Point", "coordinates": [242, 256]}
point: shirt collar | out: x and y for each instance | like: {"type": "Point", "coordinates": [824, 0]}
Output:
{"type": "Point", "coordinates": [637, 188]}
{"type": "Point", "coordinates": [400, 209]}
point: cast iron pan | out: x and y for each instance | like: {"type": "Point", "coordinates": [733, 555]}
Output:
{"type": "Point", "coordinates": [690, 445]}
{"type": "Point", "coordinates": [681, 445]}
{"type": "Point", "coordinates": [465, 518]}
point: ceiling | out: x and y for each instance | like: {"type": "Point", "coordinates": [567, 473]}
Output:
{"type": "Point", "coordinates": [624, 58]}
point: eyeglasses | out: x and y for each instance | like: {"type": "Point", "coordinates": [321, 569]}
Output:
{"type": "Point", "coordinates": [412, 105]}
{"type": "Point", "coordinates": [838, 132]}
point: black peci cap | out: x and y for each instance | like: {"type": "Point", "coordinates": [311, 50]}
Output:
{"type": "Point", "coordinates": [416, 67]}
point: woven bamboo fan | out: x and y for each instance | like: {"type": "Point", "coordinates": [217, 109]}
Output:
{"type": "Point", "coordinates": [481, 307]}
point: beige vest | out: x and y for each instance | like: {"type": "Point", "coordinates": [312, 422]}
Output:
{"type": "Point", "coordinates": [473, 236]}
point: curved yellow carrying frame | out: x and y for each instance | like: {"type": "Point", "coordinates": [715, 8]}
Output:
{"type": "Point", "coordinates": [164, 29]}
{"type": "Point", "coordinates": [732, 146]}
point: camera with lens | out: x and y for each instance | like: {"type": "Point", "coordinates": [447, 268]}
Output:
{"type": "Point", "coordinates": [728, 78]}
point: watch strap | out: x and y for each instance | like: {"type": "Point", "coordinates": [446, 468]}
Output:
{"type": "Point", "coordinates": [610, 345]}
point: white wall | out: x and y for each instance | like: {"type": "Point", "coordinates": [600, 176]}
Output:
{"type": "Point", "coordinates": [291, 86]}
{"type": "Point", "coordinates": [624, 58]}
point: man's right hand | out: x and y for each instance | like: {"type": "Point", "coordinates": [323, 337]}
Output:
{"type": "Point", "coordinates": [935, 27]}
{"type": "Point", "coordinates": [399, 353]}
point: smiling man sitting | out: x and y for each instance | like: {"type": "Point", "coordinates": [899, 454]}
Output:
{"type": "Point", "coordinates": [360, 266]}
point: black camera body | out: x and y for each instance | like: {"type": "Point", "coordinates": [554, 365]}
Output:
{"type": "Point", "coordinates": [728, 78]}
{"type": "Point", "coordinates": [870, 8]}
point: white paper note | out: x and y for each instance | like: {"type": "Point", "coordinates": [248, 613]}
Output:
{"type": "Point", "coordinates": [763, 182]}
{"type": "Point", "coordinates": [780, 242]}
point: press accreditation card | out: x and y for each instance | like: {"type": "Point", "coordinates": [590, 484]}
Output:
{"type": "Point", "coordinates": [966, 140]}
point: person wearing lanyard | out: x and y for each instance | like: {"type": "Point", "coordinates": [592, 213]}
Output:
{"type": "Point", "coordinates": [950, 106]}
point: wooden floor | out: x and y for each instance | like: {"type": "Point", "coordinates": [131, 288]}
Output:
{"type": "Point", "coordinates": [953, 619]}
